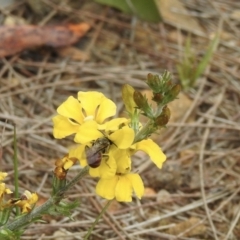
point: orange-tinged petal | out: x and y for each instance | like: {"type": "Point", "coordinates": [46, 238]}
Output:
{"type": "Point", "coordinates": [106, 109]}
{"type": "Point", "coordinates": [72, 109]}
{"type": "Point", "coordinates": [123, 138]}
{"type": "Point", "coordinates": [106, 187]}
{"type": "Point", "coordinates": [137, 184]}
{"type": "Point", "coordinates": [123, 190]}
{"type": "Point", "coordinates": [62, 127]}
{"type": "Point", "coordinates": [90, 101]}
{"type": "Point", "coordinates": [87, 132]}
{"type": "Point", "coordinates": [153, 150]}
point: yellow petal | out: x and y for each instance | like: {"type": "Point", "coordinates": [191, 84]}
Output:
{"type": "Point", "coordinates": [68, 163]}
{"type": "Point", "coordinates": [94, 172]}
{"type": "Point", "coordinates": [114, 124]}
{"type": "Point", "coordinates": [27, 194]}
{"type": "Point", "coordinates": [123, 191]}
{"type": "Point", "coordinates": [106, 187]}
{"type": "Point", "coordinates": [153, 150]}
{"type": "Point", "coordinates": [127, 96]}
{"type": "Point", "coordinates": [3, 175]}
{"type": "Point", "coordinates": [90, 101]}
{"type": "Point", "coordinates": [123, 138]}
{"type": "Point", "coordinates": [25, 207]}
{"type": "Point", "coordinates": [108, 166]}
{"type": "Point", "coordinates": [33, 199]}
{"type": "Point", "coordinates": [123, 160]}
{"type": "Point", "coordinates": [72, 109]}
{"type": "Point", "coordinates": [8, 191]}
{"type": "Point", "coordinates": [2, 189]}
{"type": "Point", "coordinates": [79, 153]}
{"type": "Point", "coordinates": [107, 108]}
{"type": "Point", "coordinates": [62, 127]}
{"type": "Point", "coordinates": [87, 132]}
{"type": "Point", "coordinates": [137, 184]}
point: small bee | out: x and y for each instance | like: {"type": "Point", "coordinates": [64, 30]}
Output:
{"type": "Point", "coordinates": [94, 153]}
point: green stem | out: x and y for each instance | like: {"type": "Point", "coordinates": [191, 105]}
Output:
{"type": "Point", "coordinates": [37, 212]}
{"type": "Point", "coordinates": [97, 219]}
{"type": "Point", "coordinates": [144, 132]}
{"type": "Point", "coordinates": [15, 164]}
{"type": "Point", "coordinates": [147, 129]}
{"type": "Point", "coordinates": [75, 180]}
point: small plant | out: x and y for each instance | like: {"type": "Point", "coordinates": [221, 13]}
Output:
{"type": "Point", "coordinates": [104, 148]}
{"type": "Point", "coordinates": [189, 69]}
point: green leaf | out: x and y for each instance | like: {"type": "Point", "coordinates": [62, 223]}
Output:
{"type": "Point", "coordinates": [7, 234]}
{"type": "Point", "coordinates": [207, 57]}
{"type": "Point", "coordinates": [119, 4]}
{"type": "Point", "coordinates": [144, 9]}
{"type": "Point", "coordinates": [189, 69]}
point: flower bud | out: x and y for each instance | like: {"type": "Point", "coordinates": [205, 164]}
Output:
{"type": "Point", "coordinates": [59, 179]}
{"type": "Point", "coordinates": [157, 97]}
{"type": "Point", "coordinates": [60, 173]}
{"type": "Point", "coordinates": [175, 90]}
{"type": "Point", "coordinates": [142, 103]}
{"type": "Point", "coordinates": [169, 84]}
{"type": "Point", "coordinates": [164, 117]}
{"type": "Point", "coordinates": [154, 82]}
{"type": "Point", "coordinates": [139, 99]}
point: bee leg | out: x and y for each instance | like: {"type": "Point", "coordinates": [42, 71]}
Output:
{"type": "Point", "coordinates": [106, 157]}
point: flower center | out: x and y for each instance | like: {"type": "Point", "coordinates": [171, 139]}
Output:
{"type": "Point", "coordinates": [88, 118]}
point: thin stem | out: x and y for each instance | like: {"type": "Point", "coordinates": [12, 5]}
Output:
{"type": "Point", "coordinates": [143, 132]}
{"type": "Point", "coordinates": [97, 219]}
{"type": "Point", "coordinates": [75, 180]}
{"type": "Point", "coordinates": [37, 212]}
{"type": "Point", "coordinates": [147, 128]}
{"type": "Point", "coordinates": [15, 164]}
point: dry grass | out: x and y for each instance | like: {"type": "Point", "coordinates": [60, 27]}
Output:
{"type": "Point", "coordinates": [196, 194]}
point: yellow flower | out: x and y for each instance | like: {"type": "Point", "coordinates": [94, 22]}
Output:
{"type": "Point", "coordinates": [26, 201]}
{"type": "Point", "coordinates": [66, 162]}
{"type": "Point", "coordinates": [113, 130]}
{"type": "Point", "coordinates": [3, 190]}
{"type": "Point", "coordinates": [121, 187]}
{"type": "Point", "coordinates": [119, 138]}
{"type": "Point", "coordinates": [87, 112]}
{"type": "Point", "coordinates": [122, 184]}
{"type": "Point", "coordinates": [62, 166]}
